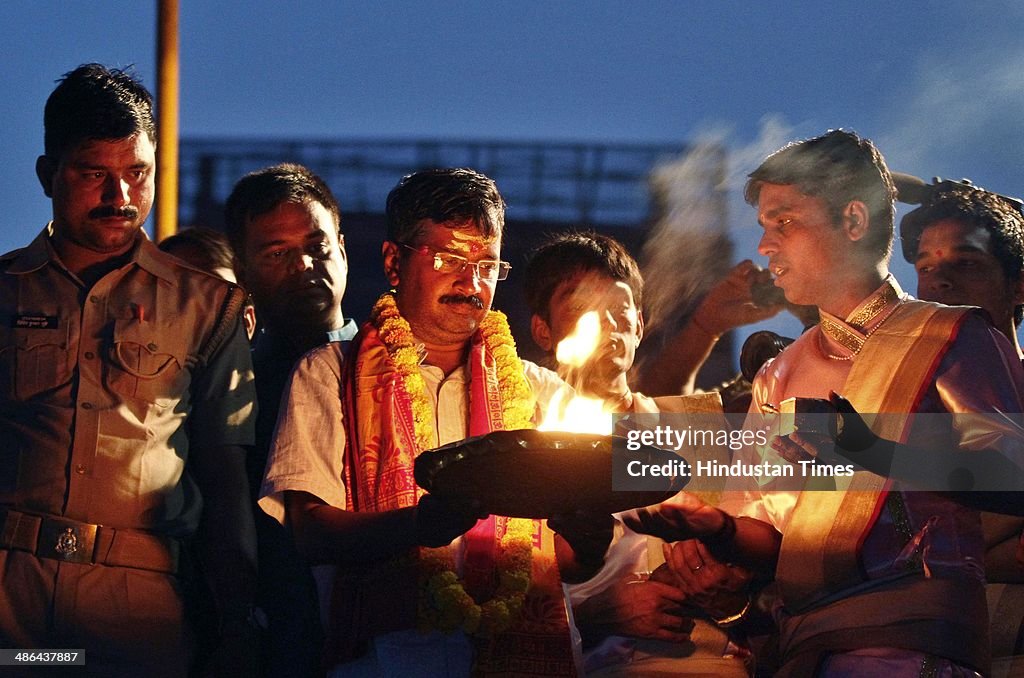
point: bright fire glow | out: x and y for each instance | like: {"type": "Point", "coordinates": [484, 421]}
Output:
{"type": "Point", "coordinates": [576, 349]}
{"type": "Point", "coordinates": [578, 414]}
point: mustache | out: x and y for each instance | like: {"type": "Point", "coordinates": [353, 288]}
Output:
{"type": "Point", "coordinates": [462, 299]}
{"type": "Point", "coordinates": [109, 211]}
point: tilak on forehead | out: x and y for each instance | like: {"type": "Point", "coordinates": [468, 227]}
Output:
{"type": "Point", "coordinates": [467, 239]}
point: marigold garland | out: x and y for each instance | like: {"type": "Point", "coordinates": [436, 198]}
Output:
{"type": "Point", "coordinates": [397, 337]}
{"type": "Point", "coordinates": [516, 400]}
{"type": "Point", "coordinates": [445, 604]}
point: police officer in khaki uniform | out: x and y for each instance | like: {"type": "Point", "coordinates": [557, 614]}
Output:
{"type": "Point", "coordinates": [126, 398]}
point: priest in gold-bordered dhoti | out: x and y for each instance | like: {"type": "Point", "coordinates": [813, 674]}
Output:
{"type": "Point", "coordinates": [870, 578]}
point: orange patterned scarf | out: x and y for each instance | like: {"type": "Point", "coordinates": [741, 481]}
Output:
{"type": "Point", "coordinates": [388, 422]}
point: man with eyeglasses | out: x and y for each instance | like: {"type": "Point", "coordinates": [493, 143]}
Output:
{"type": "Point", "coordinates": [433, 365]}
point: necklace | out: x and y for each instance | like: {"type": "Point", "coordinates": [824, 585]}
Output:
{"type": "Point", "coordinates": [444, 602]}
{"type": "Point", "coordinates": [848, 337]}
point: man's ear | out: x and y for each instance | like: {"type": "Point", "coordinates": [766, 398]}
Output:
{"type": "Point", "coordinates": [249, 318]}
{"type": "Point", "coordinates": [541, 333]}
{"type": "Point", "coordinates": [389, 252]}
{"type": "Point", "coordinates": [639, 326]}
{"type": "Point", "coordinates": [855, 220]}
{"type": "Point", "coordinates": [45, 170]}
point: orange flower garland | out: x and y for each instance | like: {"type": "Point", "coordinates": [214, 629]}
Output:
{"type": "Point", "coordinates": [397, 337]}
{"type": "Point", "coordinates": [516, 397]}
{"type": "Point", "coordinates": [445, 604]}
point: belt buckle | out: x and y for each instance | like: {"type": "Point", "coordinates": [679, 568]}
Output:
{"type": "Point", "coordinates": [67, 541]}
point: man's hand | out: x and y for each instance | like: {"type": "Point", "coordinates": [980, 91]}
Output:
{"type": "Point", "coordinates": [848, 434]}
{"type": "Point", "coordinates": [716, 587]}
{"type": "Point", "coordinates": [729, 304]}
{"type": "Point", "coordinates": [589, 534]}
{"type": "Point", "coordinates": [733, 301]}
{"type": "Point", "coordinates": [632, 607]}
{"type": "Point", "coordinates": [797, 446]}
{"type": "Point", "coordinates": [437, 524]}
{"type": "Point", "coordinates": [683, 516]}
{"type": "Point", "coordinates": [853, 435]}
{"type": "Point", "coordinates": [752, 543]}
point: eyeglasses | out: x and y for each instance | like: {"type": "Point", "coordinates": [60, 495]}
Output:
{"type": "Point", "coordinates": [445, 262]}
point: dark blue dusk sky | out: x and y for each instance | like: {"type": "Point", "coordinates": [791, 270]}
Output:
{"type": "Point", "coordinates": [939, 86]}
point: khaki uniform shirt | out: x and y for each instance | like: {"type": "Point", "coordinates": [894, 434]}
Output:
{"type": "Point", "coordinates": [100, 396]}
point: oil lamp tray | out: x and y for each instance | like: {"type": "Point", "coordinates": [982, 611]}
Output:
{"type": "Point", "coordinates": [535, 474]}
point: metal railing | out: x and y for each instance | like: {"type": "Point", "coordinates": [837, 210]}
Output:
{"type": "Point", "coordinates": [578, 183]}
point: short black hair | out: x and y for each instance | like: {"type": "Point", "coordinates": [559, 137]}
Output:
{"type": "Point", "coordinates": [210, 247]}
{"type": "Point", "coordinates": [837, 167]}
{"type": "Point", "coordinates": [974, 207]}
{"type": "Point", "coordinates": [444, 195]}
{"type": "Point", "coordinates": [96, 102]}
{"type": "Point", "coordinates": [261, 191]}
{"type": "Point", "coordinates": [565, 255]}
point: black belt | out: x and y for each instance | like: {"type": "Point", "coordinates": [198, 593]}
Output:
{"type": "Point", "coordinates": [75, 542]}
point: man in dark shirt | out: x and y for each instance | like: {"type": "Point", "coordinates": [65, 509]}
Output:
{"type": "Point", "coordinates": [285, 226]}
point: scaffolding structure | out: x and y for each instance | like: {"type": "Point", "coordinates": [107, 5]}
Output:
{"type": "Point", "coordinates": [587, 184]}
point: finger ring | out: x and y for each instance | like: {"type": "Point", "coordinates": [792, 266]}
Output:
{"type": "Point", "coordinates": [694, 569]}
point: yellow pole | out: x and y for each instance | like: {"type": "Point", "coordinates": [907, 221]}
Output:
{"type": "Point", "coordinates": [167, 119]}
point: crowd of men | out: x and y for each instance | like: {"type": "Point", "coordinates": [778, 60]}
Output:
{"type": "Point", "coordinates": [208, 468]}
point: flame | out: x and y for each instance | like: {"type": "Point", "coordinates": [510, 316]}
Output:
{"type": "Point", "coordinates": [578, 414]}
{"type": "Point", "coordinates": [576, 349]}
